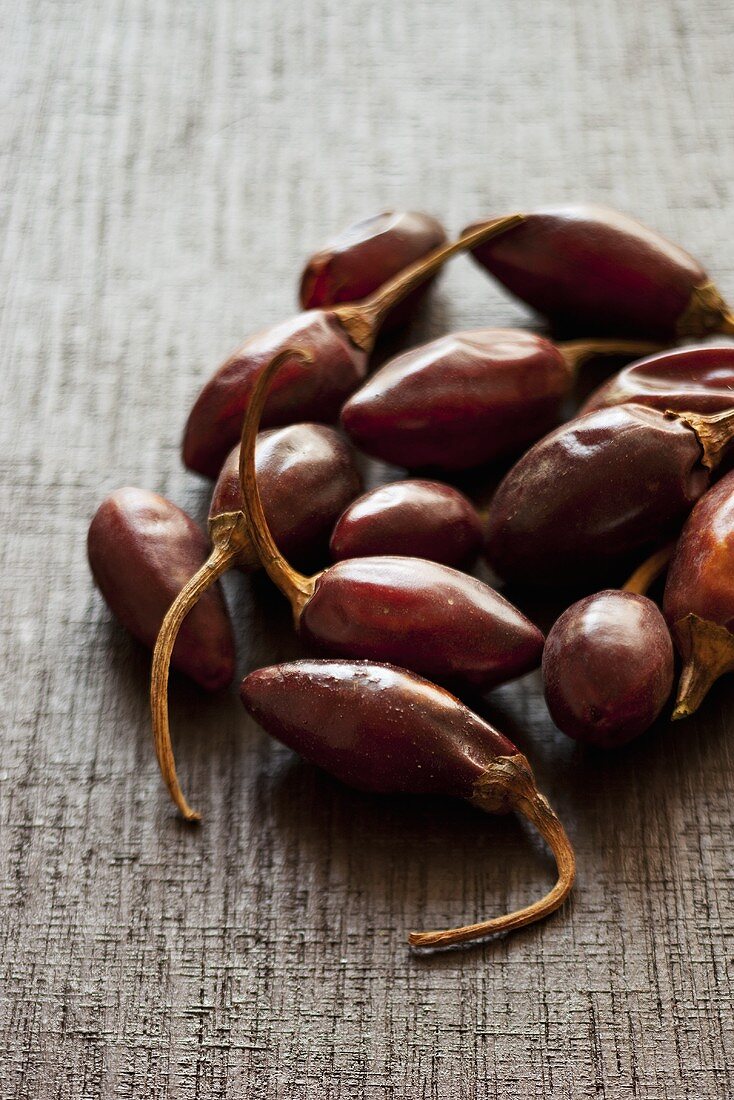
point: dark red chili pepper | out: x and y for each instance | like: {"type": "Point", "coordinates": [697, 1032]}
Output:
{"type": "Point", "coordinates": [468, 398]}
{"type": "Point", "coordinates": [697, 379]}
{"type": "Point", "coordinates": [608, 663]}
{"type": "Point", "coordinates": [699, 596]}
{"type": "Point", "coordinates": [420, 519]}
{"type": "Point", "coordinates": [142, 550]}
{"type": "Point", "coordinates": [591, 269]}
{"type": "Point", "coordinates": [308, 475]}
{"type": "Point", "coordinates": [339, 340]}
{"type": "Point", "coordinates": [357, 262]}
{"type": "Point", "coordinates": [601, 489]}
{"type": "Point", "coordinates": [382, 729]}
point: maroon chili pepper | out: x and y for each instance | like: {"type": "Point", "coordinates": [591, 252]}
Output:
{"type": "Point", "coordinates": [696, 379]}
{"type": "Point", "coordinates": [470, 397]}
{"type": "Point", "coordinates": [420, 519]}
{"type": "Point", "coordinates": [601, 489]}
{"type": "Point", "coordinates": [591, 269]}
{"type": "Point", "coordinates": [380, 728]}
{"type": "Point", "coordinates": [142, 550]}
{"type": "Point", "coordinates": [699, 596]}
{"type": "Point", "coordinates": [357, 262]}
{"type": "Point", "coordinates": [339, 340]}
{"type": "Point", "coordinates": [608, 663]}
{"type": "Point", "coordinates": [308, 476]}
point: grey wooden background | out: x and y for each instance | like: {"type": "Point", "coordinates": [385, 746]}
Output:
{"type": "Point", "coordinates": [167, 165]}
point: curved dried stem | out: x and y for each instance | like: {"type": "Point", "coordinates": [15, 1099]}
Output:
{"type": "Point", "coordinates": [706, 313]}
{"type": "Point", "coordinates": [646, 574]}
{"type": "Point", "coordinates": [217, 563]}
{"type": "Point", "coordinates": [294, 585]}
{"type": "Point", "coordinates": [577, 352]}
{"type": "Point", "coordinates": [707, 651]}
{"type": "Point", "coordinates": [509, 784]}
{"type": "Point", "coordinates": [362, 320]}
{"type": "Point", "coordinates": [715, 433]}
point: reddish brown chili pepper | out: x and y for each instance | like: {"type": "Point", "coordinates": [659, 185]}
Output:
{"type": "Point", "coordinates": [470, 397]}
{"type": "Point", "coordinates": [380, 728]}
{"type": "Point", "coordinates": [602, 489]}
{"type": "Point", "coordinates": [339, 340]}
{"type": "Point", "coordinates": [308, 476]}
{"type": "Point", "coordinates": [591, 269]}
{"type": "Point", "coordinates": [608, 662]}
{"type": "Point", "coordinates": [696, 379]}
{"type": "Point", "coordinates": [359, 260]}
{"type": "Point", "coordinates": [699, 596]}
{"type": "Point", "coordinates": [142, 550]}
{"type": "Point", "coordinates": [420, 519]}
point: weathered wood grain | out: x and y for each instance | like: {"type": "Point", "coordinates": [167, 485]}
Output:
{"type": "Point", "coordinates": [167, 167]}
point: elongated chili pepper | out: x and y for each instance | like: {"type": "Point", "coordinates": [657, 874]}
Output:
{"type": "Point", "coordinates": [695, 379]}
{"type": "Point", "coordinates": [360, 259]}
{"type": "Point", "coordinates": [470, 397]}
{"type": "Point", "coordinates": [308, 476]}
{"type": "Point", "coordinates": [591, 269]}
{"type": "Point", "coordinates": [699, 596]}
{"type": "Point", "coordinates": [339, 340]}
{"type": "Point", "coordinates": [602, 489]}
{"type": "Point", "coordinates": [380, 728]}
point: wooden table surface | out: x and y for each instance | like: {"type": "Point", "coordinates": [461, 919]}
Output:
{"type": "Point", "coordinates": [168, 165]}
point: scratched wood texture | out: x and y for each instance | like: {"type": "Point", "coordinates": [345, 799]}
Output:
{"type": "Point", "coordinates": [167, 166]}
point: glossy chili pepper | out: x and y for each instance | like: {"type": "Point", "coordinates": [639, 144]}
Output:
{"type": "Point", "coordinates": [338, 339]}
{"type": "Point", "coordinates": [468, 398]}
{"type": "Point", "coordinates": [591, 269]}
{"type": "Point", "coordinates": [308, 476]}
{"type": "Point", "coordinates": [142, 550]}
{"type": "Point", "coordinates": [601, 489]}
{"type": "Point", "coordinates": [699, 596]}
{"type": "Point", "coordinates": [695, 379]}
{"type": "Point", "coordinates": [357, 262]}
{"type": "Point", "coordinates": [608, 663]}
{"type": "Point", "coordinates": [418, 519]}
{"type": "Point", "coordinates": [382, 729]}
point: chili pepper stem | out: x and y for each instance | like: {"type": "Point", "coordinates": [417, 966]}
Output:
{"type": "Point", "coordinates": [509, 784]}
{"type": "Point", "coordinates": [647, 573]}
{"type": "Point", "coordinates": [727, 323]}
{"type": "Point", "coordinates": [216, 564]}
{"type": "Point", "coordinates": [577, 352]}
{"type": "Point", "coordinates": [294, 585]}
{"type": "Point", "coordinates": [707, 650]}
{"type": "Point", "coordinates": [715, 432]}
{"type": "Point", "coordinates": [362, 320]}
{"type": "Point", "coordinates": [706, 313]}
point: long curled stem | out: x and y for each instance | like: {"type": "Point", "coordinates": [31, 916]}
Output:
{"type": "Point", "coordinates": [577, 352]}
{"type": "Point", "coordinates": [646, 574]}
{"type": "Point", "coordinates": [217, 563]}
{"type": "Point", "coordinates": [509, 784]}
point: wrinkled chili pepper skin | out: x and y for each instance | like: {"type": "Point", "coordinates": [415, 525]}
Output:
{"type": "Point", "coordinates": [359, 260]}
{"type": "Point", "coordinates": [608, 668]}
{"type": "Point", "coordinates": [593, 494]}
{"type": "Point", "coordinates": [374, 727]}
{"type": "Point", "coordinates": [419, 519]}
{"type": "Point", "coordinates": [422, 616]}
{"type": "Point", "coordinates": [307, 476]}
{"type": "Point", "coordinates": [701, 574]}
{"type": "Point", "coordinates": [142, 550]}
{"type": "Point", "coordinates": [460, 401]}
{"type": "Point", "coordinates": [594, 270]}
{"type": "Point", "coordinates": [696, 379]}
{"type": "Point", "coordinates": [302, 391]}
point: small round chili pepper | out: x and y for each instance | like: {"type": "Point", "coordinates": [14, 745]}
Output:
{"type": "Point", "coordinates": [308, 476]}
{"type": "Point", "coordinates": [357, 262]}
{"type": "Point", "coordinates": [380, 728]}
{"type": "Point", "coordinates": [470, 397]}
{"type": "Point", "coordinates": [601, 489]}
{"type": "Point", "coordinates": [142, 550]}
{"type": "Point", "coordinates": [338, 339]}
{"type": "Point", "coordinates": [696, 379]}
{"type": "Point", "coordinates": [418, 519]}
{"type": "Point", "coordinates": [699, 596]}
{"type": "Point", "coordinates": [591, 269]}
{"type": "Point", "coordinates": [608, 662]}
